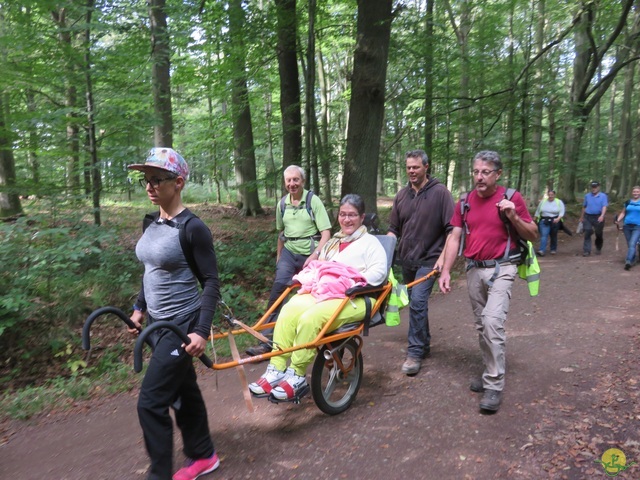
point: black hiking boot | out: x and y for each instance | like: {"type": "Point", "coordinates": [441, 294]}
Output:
{"type": "Point", "coordinates": [491, 400]}
{"type": "Point", "coordinates": [476, 385]}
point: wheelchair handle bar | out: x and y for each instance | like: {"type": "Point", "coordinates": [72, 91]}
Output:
{"type": "Point", "coordinates": [137, 351]}
{"type": "Point", "coordinates": [86, 329]}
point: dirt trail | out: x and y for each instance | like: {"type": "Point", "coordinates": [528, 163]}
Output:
{"type": "Point", "coordinates": [572, 393]}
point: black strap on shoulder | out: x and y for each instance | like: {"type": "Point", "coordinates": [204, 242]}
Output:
{"type": "Point", "coordinates": [186, 247]}
{"type": "Point", "coordinates": [464, 208]}
{"type": "Point", "coordinates": [149, 218]}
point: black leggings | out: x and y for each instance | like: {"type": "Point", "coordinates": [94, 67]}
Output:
{"type": "Point", "coordinates": [170, 381]}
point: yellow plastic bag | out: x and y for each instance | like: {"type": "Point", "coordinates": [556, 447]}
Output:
{"type": "Point", "coordinates": [398, 298]}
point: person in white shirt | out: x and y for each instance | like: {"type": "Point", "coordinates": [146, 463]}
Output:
{"type": "Point", "coordinates": [304, 316]}
{"type": "Point", "coordinates": [548, 216]}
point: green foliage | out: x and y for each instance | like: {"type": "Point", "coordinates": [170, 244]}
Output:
{"type": "Point", "coordinates": [106, 374]}
{"type": "Point", "coordinates": [51, 269]}
{"type": "Point", "coordinates": [245, 267]}
{"type": "Point", "coordinates": [24, 404]}
{"type": "Point", "coordinates": [108, 377]}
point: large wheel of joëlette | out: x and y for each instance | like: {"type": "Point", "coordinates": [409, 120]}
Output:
{"type": "Point", "coordinates": [334, 391]}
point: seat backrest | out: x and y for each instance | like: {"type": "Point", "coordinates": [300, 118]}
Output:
{"type": "Point", "coordinates": [389, 244]}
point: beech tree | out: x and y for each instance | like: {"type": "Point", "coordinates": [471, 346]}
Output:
{"type": "Point", "coordinates": [9, 199]}
{"type": "Point", "coordinates": [244, 152]}
{"type": "Point", "coordinates": [366, 109]}
{"type": "Point", "coordinates": [586, 91]}
{"type": "Point", "coordinates": [287, 47]}
{"type": "Point", "coordinates": [161, 76]}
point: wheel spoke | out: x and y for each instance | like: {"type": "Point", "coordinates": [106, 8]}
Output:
{"type": "Point", "coordinates": [332, 382]}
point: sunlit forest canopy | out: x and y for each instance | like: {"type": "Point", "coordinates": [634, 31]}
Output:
{"type": "Point", "coordinates": [343, 88]}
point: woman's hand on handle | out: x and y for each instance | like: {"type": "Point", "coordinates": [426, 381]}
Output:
{"type": "Point", "coordinates": [197, 345]}
{"type": "Point", "coordinates": [137, 317]}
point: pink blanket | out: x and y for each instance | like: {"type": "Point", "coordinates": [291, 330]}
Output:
{"type": "Point", "coordinates": [326, 280]}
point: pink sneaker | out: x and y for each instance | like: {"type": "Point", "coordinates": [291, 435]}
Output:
{"type": "Point", "coordinates": [195, 468]}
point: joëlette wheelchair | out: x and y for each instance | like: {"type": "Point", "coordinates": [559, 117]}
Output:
{"type": "Point", "coordinates": [337, 370]}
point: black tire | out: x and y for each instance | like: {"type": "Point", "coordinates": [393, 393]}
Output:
{"type": "Point", "coordinates": [332, 391]}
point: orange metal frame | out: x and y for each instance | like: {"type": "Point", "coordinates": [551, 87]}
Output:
{"type": "Point", "coordinates": [324, 337]}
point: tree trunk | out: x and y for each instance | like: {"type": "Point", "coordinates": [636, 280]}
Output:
{"type": "Point", "coordinates": [366, 109]}
{"type": "Point", "coordinates": [272, 177]}
{"type": "Point", "coordinates": [33, 142]}
{"type": "Point", "coordinates": [71, 100]}
{"type": "Point", "coordinates": [623, 155]}
{"type": "Point", "coordinates": [536, 112]}
{"type": "Point", "coordinates": [610, 128]}
{"type": "Point", "coordinates": [289, 82]}
{"type": "Point", "coordinates": [96, 179]}
{"type": "Point", "coordinates": [310, 104]}
{"type": "Point", "coordinates": [9, 198]}
{"type": "Point", "coordinates": [595, 143]}
{"type": "Point", "coordinates": [635, 159]}
{"type": "Point", "coordinates": [429, 121]}
{"type": "Point", "coordinates": [463, 164]}
{"type": "Point", "coordinates": [551, 115]}
{"type": "Point", "coordinates": [509, 155]}
{"type": "Point", "coordinates": [244, 151]}
{"type": "Point", "coordinates": [325, 157]}
{"type": "Point", "coordinates": [160, 72]}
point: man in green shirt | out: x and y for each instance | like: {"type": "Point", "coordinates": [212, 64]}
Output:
{"type": "Point", "coordinates": [298, 244]}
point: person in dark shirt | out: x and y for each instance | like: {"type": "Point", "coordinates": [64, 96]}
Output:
{"type": "Point", "coordinates": [420, 219]}
{"type": "Point", "coordinates": [170, 292]}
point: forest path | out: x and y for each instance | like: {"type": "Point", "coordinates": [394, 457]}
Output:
{"type": "Point", "coordinates": [572, 392]}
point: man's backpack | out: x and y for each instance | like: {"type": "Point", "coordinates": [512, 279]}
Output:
{"type": "Point", "coordinates": [307, 204]}
{"type": "Point", "coordinates": [182, 235]}
{"type": "Point", "coordinates": [519, 255]}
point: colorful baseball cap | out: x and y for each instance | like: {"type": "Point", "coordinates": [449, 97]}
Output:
{"type": "Point", "coordinates": [164, 159]}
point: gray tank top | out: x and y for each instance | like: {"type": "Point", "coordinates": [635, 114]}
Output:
{"type": "Point", "coordinates": [170, 287]}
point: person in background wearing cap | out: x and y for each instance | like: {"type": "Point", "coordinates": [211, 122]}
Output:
{"type": "Point", "coordinates": [549, 215]}
{"type": "Point", "coordinates": [594, 208]}
{"type": "Point", "coordinates": [170, 292]}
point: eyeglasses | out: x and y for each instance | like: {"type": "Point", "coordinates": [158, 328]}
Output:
{"type": "Point", "coordinates": [484, 173]}
{"type": "Point", "coordinates": [348, 215]}
{"type": "Point", "coordinates": [154, 181]}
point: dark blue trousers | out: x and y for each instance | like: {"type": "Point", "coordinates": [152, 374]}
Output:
{"type": "Point", "coordinates": [419, 336]}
